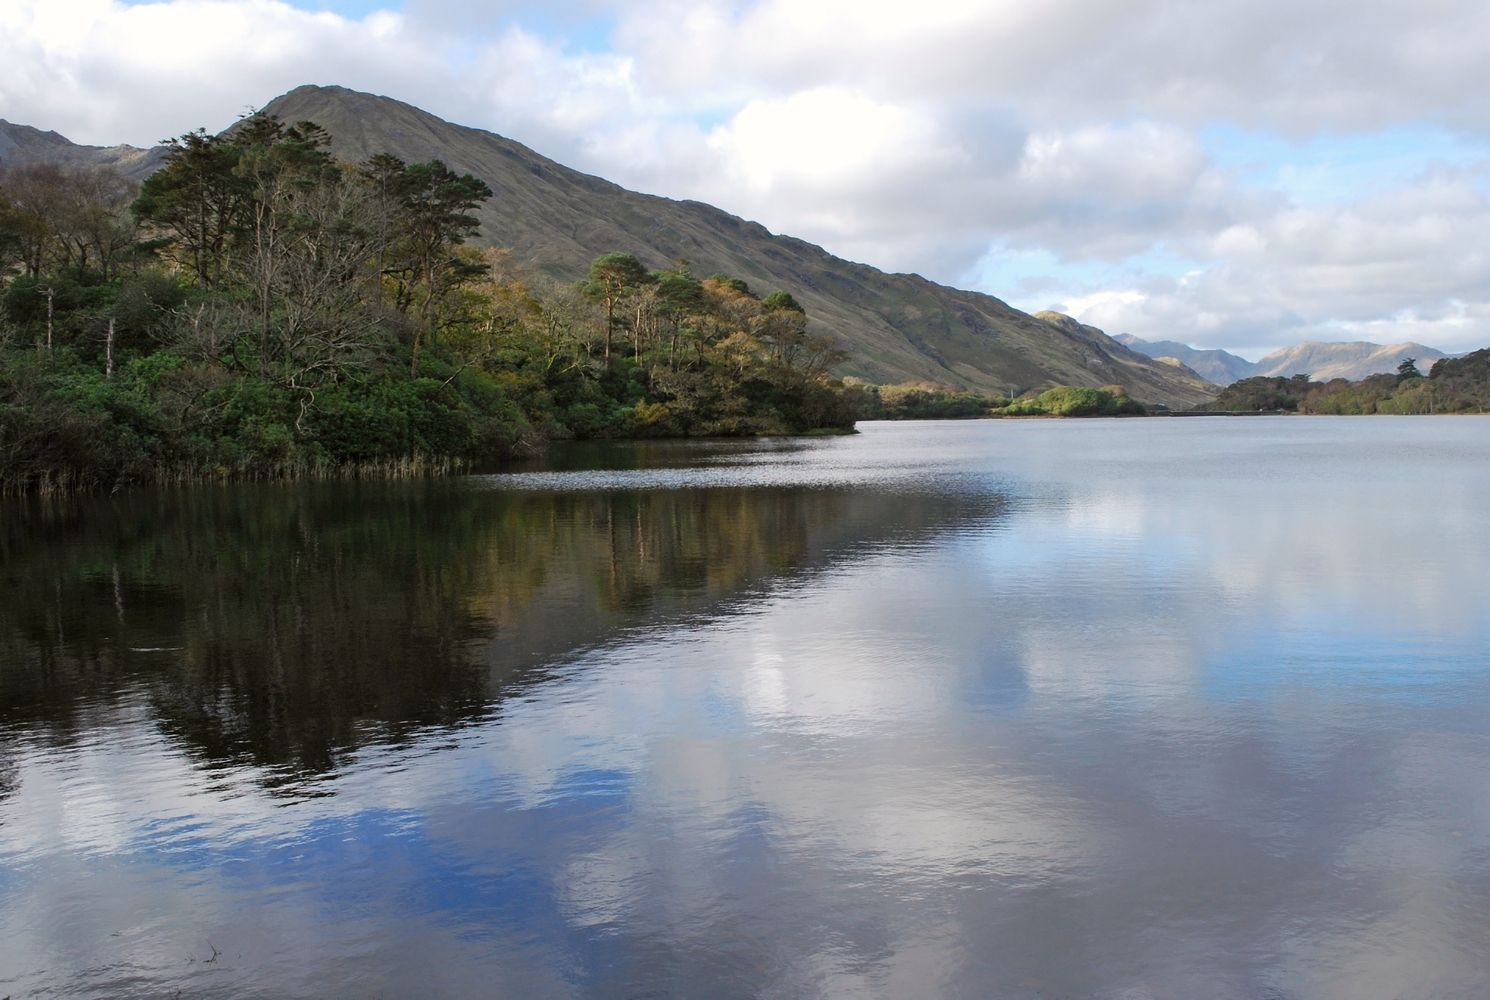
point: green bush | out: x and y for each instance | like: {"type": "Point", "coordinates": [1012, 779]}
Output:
{"type": "Point", "coordinates": [1080, 401]}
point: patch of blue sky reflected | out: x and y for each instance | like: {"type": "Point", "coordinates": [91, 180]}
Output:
{"type": "Point", "coordinates": [1333, 652]}
{"type": "Point", "coordinates": [1334, 169]}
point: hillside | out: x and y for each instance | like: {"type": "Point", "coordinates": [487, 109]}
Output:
{"type": "Point", "coordinates": [1354, 360]}
{"type": "Point", "coordinates": [897, 327]}
{"type": "Point", "coordinates": [22, 144]}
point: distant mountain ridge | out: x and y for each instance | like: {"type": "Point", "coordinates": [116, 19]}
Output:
{"type": "Point", "coordinates": [21, 145]}
{"type": "Point", "coordinates": [1220, 367]}
{"type": "Point", "coordinates": [1352, 360]}
{"type": "Point", "coordinates": [1320, 360]}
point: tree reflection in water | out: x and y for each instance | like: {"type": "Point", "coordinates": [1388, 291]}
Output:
{"type": "Point", "coordinates": [284, 626]}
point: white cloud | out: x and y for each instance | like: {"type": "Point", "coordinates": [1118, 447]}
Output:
{"type": "Point", "coordinates": [915, 137]}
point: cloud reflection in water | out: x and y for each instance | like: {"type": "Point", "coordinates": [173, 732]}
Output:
{"type": "Point", "coordinates": [1121, 709]}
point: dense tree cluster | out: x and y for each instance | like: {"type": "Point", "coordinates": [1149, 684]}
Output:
{"type": "Point", "coordinates": [258, 307]}
{"type": "Point", "coordinates": [1454, 385]}
{"type": "Point", "coordinates": [930, 401]}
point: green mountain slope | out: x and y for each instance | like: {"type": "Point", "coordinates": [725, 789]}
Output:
{"type": "Point", "coordinates": [897, 327]}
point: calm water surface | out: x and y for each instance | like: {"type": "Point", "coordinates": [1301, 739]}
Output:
{"type": "Point", "coordinates": [1130, 709]}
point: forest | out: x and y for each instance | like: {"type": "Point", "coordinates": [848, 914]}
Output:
{"type": "Point", "coordinates": [258, 309]}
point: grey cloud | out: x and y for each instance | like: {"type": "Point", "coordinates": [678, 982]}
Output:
{"type": "Point", "coordinates": [1066, 128]}
{"type": "Point", "coordinates": [1271, 63]}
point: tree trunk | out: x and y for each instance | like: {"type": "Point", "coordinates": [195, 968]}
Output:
{"type": "Point", "coordinates": [610, 321]}
{"type": "Point", "coordinates": [201, 234]}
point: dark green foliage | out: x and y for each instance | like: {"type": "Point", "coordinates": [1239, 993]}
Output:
{"type": "Point", "coordinates": [11, 237]}
{"type": "Point", "coordinates": [1466, 379]}
{"type": "Point", "coordinates": [1264, 393]}
{"type": "Point", "coordinates": [678, 296]}
{"type": "Point", "coordinates": [288, 316]}
{"type": "Point", "coordinates": [927, 402]}
{"type": "Point", "coordinates": [63, 424]}
{"type": "Point", "coordinates": [915, 402]}
{"type": "Point", "coordinates": [1080, 401]}
{"type": "Point", "coordinates": [143, 306]}
{"type": "Point", "coordinates": [1454, 385]}
{"type": "Point", "coordinates": [613, 277]}
{"type": "Point", "coordinates": [196, 201]}
{"type": "Point", "coordinates": [433, 217]}
{"type": "Point", "coordinates": [617, 272]}
{"type": "Point", "coordinates": [781, 300]}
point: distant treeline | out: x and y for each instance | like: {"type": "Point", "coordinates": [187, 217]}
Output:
{"type": "Point", "coordinates": [1453, 385]}
{"type": "Point", "coordinates": [259, 309]}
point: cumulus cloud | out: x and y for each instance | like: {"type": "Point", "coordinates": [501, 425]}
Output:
{"type": "Point", "coordinates": [964, 140]}
{"type": "Point", "coordinates": [1407, 264]}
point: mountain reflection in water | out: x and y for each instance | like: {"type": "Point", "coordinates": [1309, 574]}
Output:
{"type": "Point", "coordinates": [1126, 710]}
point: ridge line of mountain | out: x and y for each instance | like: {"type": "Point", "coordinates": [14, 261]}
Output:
{"type": "Point", "coordinates": [897, 328]}
{"type": "Point", "coordinates": [1321, 360]}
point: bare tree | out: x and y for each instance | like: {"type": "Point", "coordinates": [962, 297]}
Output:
{"type": "Point", "coordinates": [37, 196]}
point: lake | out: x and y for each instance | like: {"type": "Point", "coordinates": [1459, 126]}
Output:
{"type": "Point", "coordinates": [1138, 709]}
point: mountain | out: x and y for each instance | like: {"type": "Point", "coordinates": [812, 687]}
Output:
{"type": "Point", "coordinates": [1354, 360]}
{"type": "Point", "coordinates": [1319, 360]}
{"type": "Point", "coordinates": [1081, 329]}
{"type": "Point", "coordinates": [896, 327]}
{"type": "Point", "coordinates": [1220, 367]}
{"type": "Point", "coordinates": [21, 145]}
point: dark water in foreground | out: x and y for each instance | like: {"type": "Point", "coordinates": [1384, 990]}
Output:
{"type": "Point", "coordinates": [1130, 709]}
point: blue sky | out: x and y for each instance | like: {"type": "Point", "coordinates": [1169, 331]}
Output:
{"type": "Point", "coordinates": [1327, 169]}
{"type": "Point", "coordinates": [1242, 174]}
